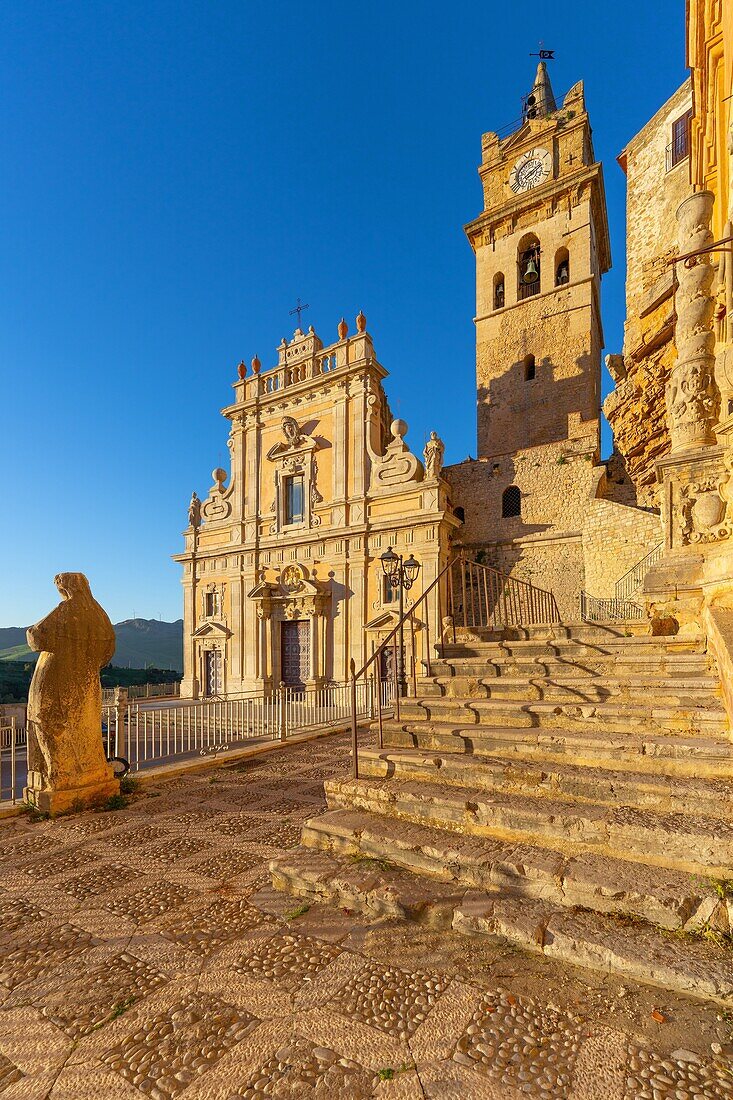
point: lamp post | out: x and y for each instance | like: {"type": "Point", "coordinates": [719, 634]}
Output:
{"type": "Point", "coordinates": [401, 574]}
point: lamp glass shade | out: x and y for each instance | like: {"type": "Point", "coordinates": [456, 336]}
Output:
{"type": "Point", "coordinates": [410, 569]}
{"type": "Point", "coordinates": [390, 561]}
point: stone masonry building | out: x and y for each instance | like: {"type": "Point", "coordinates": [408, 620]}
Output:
{"type": "Point", "coordinates": [281, 572]}
{"type": "Point", "coordinates": [537, 502]}
{"type": "Point", "coordinates": [657, 166]}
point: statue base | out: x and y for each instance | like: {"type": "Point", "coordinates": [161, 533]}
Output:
{"type": "Point", "coordinates": [68, 799]}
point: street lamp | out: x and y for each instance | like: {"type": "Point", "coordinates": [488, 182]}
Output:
{"type": "Point", "coordinates": [401, 574]}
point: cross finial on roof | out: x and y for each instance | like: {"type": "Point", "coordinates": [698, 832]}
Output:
{"type": "Point", "coordinates": [300, 308]}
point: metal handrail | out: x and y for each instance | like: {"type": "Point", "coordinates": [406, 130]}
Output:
{"type": "Point", "coordinates": [392, 638]}
{"type": "Point", "coordinates": [490, 598]}
{"type": "Point", "coordinates": [633, 577]}
{"type": "Point", "coordinates": [502, 601]}
{"type": "Point", "coordinates": [608, 610]}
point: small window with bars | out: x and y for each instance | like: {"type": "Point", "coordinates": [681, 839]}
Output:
{"type": "Point", "coordinates": [679, 148]}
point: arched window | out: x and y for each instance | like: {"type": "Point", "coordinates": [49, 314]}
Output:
{"type": "Point", "coordinates": [511, 502]}
{"type": "Point", "coordinates": [460, 514]}
{"type": "Point", "coordinates": [562, 267]}
{"type": "Point", "coordinates": [530, 368]}
{"type": "Point", "coordinates": [499, 291]}
{"type": "Point", "coordinates": [528, 267]}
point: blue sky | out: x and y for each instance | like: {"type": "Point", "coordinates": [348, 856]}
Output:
{"type": "Point", "coordinates": [176, 174]}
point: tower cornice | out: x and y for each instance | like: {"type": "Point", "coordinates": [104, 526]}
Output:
{"type": "Point", "coordinates": [554, 190]}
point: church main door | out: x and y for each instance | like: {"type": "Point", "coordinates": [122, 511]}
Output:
{"type": "Point", "coordinates": [295, 652]}
{"type": "Point", "coordinates": [214, 679]}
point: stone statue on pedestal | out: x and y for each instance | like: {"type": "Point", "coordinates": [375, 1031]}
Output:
{"type": "Point", "coordinates": [67, 766]}
{"type": "Point", "coordinates": [433, 455]}
{"type": "Point", "coordinates": [194, 511]}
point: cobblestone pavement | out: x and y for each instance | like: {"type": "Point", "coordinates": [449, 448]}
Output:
{"type": "Point", "coordinates": [143, 953]}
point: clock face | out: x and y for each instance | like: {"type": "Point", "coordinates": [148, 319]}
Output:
{"type": "Point", "coordinates": [532, 169]}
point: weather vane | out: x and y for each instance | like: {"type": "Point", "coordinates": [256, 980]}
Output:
{"type": "Point", "coordinates": [544, 55]}
{"type": "Point", "coordinates": [299, 309]}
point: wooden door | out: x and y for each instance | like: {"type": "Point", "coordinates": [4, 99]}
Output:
{"type": "Point", "coordinates": [295, 652]}
{"type": "Point", "coordinates": [214, 669]}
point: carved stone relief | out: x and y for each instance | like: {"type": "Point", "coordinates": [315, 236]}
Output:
{"type": "Point", "coordinates": [692, 396]}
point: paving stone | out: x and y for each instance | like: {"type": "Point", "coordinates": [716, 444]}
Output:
{"type": "Point", "coordinates": [521, 1044]}
{"type": "Point", "coordinates": [649, 1076]}
{"type": "Point", "coordinates": [132, 838]}
{"type": "Point", "coordinates": [173, 851]}
{"type": "Point", "coordinates": [110, 876]}
{"type": "Point", "coordinates": [300, 1068]}
{"type": "Point", "coordinates": [392, 1000]}
{"type": "Point", "coordinates": [174, 1048]}
{"type": "Point", "coordinates": [98, 995]}
{"type": "Point", "coordinates": [27, 844]}
{"type": "Point", "coordinates": [37, 956]}
{"type": "Point", "coordinates": [224, 865]}
{"type": "Point", "coordinates": [209, 929]}
{"type": "Point", "coordinates": [70, 860]}
{"type": "Point", "coordinates": [288, 960]}
{"type": "Point", "coordinates": [9, 1073]}
{"type": "Point", "coordinates": [236, 826]}
{"type": "Point", "coordinates": [150, 902]}
{"type": "Point", "coordinates": [16, 913]}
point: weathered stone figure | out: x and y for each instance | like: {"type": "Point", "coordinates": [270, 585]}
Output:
{"type": "Point", "coordinates": [433, 455]}
{"type": "Point", "coordinates": [66, 761]}
{"type": "Point", "coordinates": [194, 511]}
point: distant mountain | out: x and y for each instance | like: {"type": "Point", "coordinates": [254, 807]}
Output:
{"type": "Point", "coordinates": [140, 643]}
{"type": "Point", "coordinates": [143, 642]}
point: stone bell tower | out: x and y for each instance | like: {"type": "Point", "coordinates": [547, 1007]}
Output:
{"type": "Point", "coordinates": [541, 245]}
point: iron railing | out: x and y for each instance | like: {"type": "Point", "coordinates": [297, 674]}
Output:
{"type": "Point", "coordinates": [13, 767]}
{"type": "Point", "coordinates": [596, 610]}
{"type": "Point", "coordinates": [145, 736]}
{"type": "Point", "coordinates": [482, 597]}
{"type": "Point", "coordinates": [633, 579]}
{"type": "Point", "coordinates": [148, 735]}
{"type": "Point", "coordinates": [476, 596]}
{"type": "Point", "coordinates": [170, 690]}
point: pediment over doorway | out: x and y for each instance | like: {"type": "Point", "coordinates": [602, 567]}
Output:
{"type": "Point", "coordinates": [212, 630]}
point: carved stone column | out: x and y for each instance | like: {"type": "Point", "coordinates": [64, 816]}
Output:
{"type": "Point", "coordinates": [693, 509]}
{"type": "Point", "coordinates": [692, 396]}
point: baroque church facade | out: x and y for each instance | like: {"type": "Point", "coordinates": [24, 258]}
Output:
{"type": "Point", "coordinates": [282, 576]}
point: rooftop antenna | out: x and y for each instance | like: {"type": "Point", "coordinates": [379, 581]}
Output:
{"type": "Point", "coordinates": [300, 308]}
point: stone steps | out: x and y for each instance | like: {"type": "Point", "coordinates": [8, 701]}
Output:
{"type": "Point", "coordinates": [589, 745]}
{"type": "Point", "coordinates": [661, 793]}
{"type": "Point", "coordinates": [616, 717]}
{"type": "Point", "coordinates": [605, 943]}
{"type": "Point", "coordinates": [673, 840]}
{"type": "Point", "coordinates": [646, 648]}
{"type": "Point", "coordinates": [665, 897]}
{"type": "Point", "coordinates": [539, 685]}
{"type": "Point", "coordinates": [569, 788]}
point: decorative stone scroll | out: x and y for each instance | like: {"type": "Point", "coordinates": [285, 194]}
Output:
{"type": "Point", "coordinates": [398, 465]}
{"type": "Point", "coordinates": [692, 396]}
{"type": "Point", "coordinates": [217, 506]}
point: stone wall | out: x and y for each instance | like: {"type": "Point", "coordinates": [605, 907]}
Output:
{"type": "Point", "coordinates": [543, 544]}
{"type": "Point", "coordinates": [636, 409]}
{"type": "Point", "coordinates": [615, 538]}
